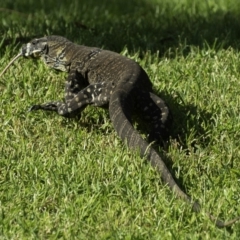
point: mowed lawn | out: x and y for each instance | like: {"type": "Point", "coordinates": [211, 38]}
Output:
{"type": "Point", "coordinates": [74, 178]}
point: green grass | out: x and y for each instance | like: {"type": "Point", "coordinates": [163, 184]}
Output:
{"type": "Point", "coordinates": [74, 179]}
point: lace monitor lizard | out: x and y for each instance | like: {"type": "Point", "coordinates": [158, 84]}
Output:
{"type": "Point", "coordinates": [104, 78]}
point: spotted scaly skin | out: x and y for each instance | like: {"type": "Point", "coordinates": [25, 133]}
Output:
{"type": "Point", "coordinates": [106, 79]}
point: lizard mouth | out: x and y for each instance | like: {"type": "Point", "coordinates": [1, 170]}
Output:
{"type": "Point", "coordinates": [28, 50]}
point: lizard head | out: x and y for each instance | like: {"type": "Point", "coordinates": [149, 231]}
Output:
{"type": "Point", "coordinates": [50, 49]}
{"type": "Point", "coordinates": [35, 49]}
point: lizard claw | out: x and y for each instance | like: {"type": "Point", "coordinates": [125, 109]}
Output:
{"type": "Point", "coordinates": [34, 107]}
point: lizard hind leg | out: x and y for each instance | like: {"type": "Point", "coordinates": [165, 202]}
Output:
{"type": "Point", "coordinates": [155, 111]}
{"type": "Point", "coordinates": [162, 121]}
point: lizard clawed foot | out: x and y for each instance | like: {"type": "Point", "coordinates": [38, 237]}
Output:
{"type": "Point", "coordinates": [47, 107]}
{"type": "Point", "coordinates": [34, 108]}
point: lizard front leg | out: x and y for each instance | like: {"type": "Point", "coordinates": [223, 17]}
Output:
{"type": "Point", "coordinates": [94, 94]}
{"type": "Point", "coordinates": [75, 82]}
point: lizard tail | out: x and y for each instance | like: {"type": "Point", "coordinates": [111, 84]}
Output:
{"type": "Point", "coordinates": [119, 109]}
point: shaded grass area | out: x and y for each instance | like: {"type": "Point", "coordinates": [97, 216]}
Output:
{"type": "Point", "coordinates": [138, 24]}
{"type": "Point", "coordinates": [74, 179]}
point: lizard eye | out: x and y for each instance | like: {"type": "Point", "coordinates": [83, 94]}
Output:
{"type": "Point", "coordinates": [35, 41]}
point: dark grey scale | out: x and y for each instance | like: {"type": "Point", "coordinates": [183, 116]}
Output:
{"type": "Point", "coordinates": [74, 84]}
{"type": "Point", "coordinates": [71, 89]}
{"type": "Point", "coordinates": [156, 113]}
